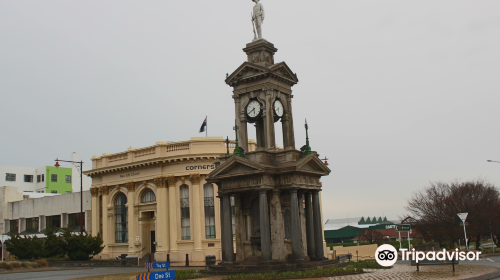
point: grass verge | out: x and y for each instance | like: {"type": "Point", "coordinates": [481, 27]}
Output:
{"type": "Point", "coordinates": [365, 264]}
{"type": "Point", "coordinates": [316, 273]}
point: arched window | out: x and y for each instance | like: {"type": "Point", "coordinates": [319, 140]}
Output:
{"type": "Point", "coordinates": [208, 191]}
{"type": "Point", "coordinates": [121, 219]}
{"type": "Point", "coordinates": [148, 196]}
{"type": "Point", "coordinates": [287, 221]}
{"type": "Point", "coordinates": [185, 223]}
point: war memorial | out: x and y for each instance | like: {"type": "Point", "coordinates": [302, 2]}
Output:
{"type": "Point", "coordinates": [276, 190]}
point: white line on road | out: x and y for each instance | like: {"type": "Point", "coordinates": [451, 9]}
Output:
{"type": "Point", "coordinates": [490, 260]}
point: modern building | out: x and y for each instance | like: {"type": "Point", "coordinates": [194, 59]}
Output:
{"type": "Point", "coordinates": [347, 229]}
{"type": "Point", "coordinates": [11, 194]}
{"type": "Point", "coordinates": [31, 216]}
{"type": "Point", "coordinates": [156, 200]}
{"type": "Point", "coordinates": [45, 179]}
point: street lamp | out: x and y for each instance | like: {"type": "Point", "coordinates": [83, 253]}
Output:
{"type": "Point", "coordinates": [80, 167]}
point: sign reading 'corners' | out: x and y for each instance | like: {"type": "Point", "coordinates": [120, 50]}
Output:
{"type": "Point", "coordinates": [200, 167]}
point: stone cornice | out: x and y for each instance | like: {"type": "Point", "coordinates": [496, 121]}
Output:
{"type": "Point", "coordinates": [156, 161]}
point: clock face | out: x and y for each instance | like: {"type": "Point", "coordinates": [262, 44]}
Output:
{"type": "Point", "coordinates": [278, 108]}
{"type": "Point", "coordinates": [253, 109]}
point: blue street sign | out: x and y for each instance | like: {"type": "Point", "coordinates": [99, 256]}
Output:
{"type": "Point", "coordinates": [163, 265]}
{"type": "Point", "coordinates": [162, 275]}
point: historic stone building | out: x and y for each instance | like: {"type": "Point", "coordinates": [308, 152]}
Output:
{"type": "Point", "coordinates": [156, 200]}
{"type": "Point", "coordinates": [276, 191]}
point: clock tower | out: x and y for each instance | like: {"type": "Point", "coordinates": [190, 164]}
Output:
{"type": "Point", "coordinates": [276, 191]}
{"type": "Point", "coordinates": [262, 93]}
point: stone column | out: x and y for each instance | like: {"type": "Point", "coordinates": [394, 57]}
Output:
{"type": "Point", "coordinates": [94, 191]}
{"type": "Point", "coordinates": [311, 252]}
{"type": "Point", "coordinates": [132, 218]}
{"type": "Point", "coordinates": [173, 224]}
{"type": "Point", "coordinates": [197, 212]}
{"type": "Point", "coordinates": [239, 228]}
{"type": "Point", "coordinates": [242, 124]}
{"type": "Point", "coordinates": [259, 132]}
{"type": "Point", "coordinates": [222, 231]}
{"type": "Point", "coordinates": [227, 245]}
{"type": "Point", "coordinates": [289, 123]}
{"type": "Point", "coordinates": [41, 223]}
{"type": "Point", "coordinates": [104, 190]}
{"type": "Point", "coordinates": [64, 220]}
{"type": "Point", "coordinates": [265, 235]}
{"type": "Point", "coordinates": [296, 231]}
{"type": "Point", "coordinates": [277, 228]}
{"type": "Point", "coordinates": [318, 234]}
{"type": "Point", "coordinates": [162, 241]}
{"type": "Point", "coordinates": [269, 119]}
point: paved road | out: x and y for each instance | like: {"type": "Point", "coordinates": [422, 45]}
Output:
{"type": "Point", "coordinates": [491, 261]}
{"type": "Point", "coordinates": [68, 274]}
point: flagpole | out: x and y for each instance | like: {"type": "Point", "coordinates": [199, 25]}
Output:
{"type": "Point", "coordinates": [206, 127]}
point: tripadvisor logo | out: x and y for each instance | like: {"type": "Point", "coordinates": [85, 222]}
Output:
{"type": "Point", "coordinates": [386, 255]}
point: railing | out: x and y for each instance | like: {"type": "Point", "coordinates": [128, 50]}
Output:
{"type": "Point", "coordinates": [177, 147]}
{"type": "Point", "coordinates": [145, 152]}
{"type": "Point", "coordinates": [118, 157]}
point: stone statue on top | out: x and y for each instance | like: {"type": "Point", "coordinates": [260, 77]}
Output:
{"type": "Point", "coordinates": [257, 19]}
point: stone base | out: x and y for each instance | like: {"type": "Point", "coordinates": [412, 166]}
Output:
{"type": "Point", "coordinates": [270, 267]}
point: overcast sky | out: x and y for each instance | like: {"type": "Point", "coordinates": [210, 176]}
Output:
{"type": "Point", "coordinates": [397, 94]}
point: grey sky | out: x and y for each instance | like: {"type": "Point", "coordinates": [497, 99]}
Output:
{"type": "Point", "coordinates": [396, 93]}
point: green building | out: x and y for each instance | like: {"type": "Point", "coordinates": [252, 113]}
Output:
{"type": "Point", "coordinates": [59, 180]}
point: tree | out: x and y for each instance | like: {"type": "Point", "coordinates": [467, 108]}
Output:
{"type": "Point", "coordinates": [81, 247]}
{"type": "Point", "coordinates": [437, 206]}
{"type": "Point", "coordinates": [372, 236]}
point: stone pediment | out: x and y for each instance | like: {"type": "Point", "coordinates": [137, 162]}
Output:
{"type": "Point", "coordinates": [282, 70]}
{"type": "Point", "coordinates": [249, 71]}
{"type": "Point", "coordinates": [236, 166]}
{"type": "Point", "coordinates": [312, 163]}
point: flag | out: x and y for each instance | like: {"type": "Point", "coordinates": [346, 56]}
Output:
{"type": "Point", "coordinates": [203, 125]}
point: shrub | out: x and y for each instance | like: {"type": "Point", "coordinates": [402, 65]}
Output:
{"type": "Point", "coordinates": [24, 248]}
{"type": "Point", "coordinates": [5, 265]}
{"type": "Point", "coordinates": [25, 264]}
{"type": "Point", "coordinates": [42, 262]}
{"type": "Point", "coordinates": [81, 247]}
{"type": "Point", "coordinates": [53, 245]}
{"type": "Point", "coordinates": [15, 264]}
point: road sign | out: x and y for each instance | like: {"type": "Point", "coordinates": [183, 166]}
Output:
{"type": "Point", "coordinates": [462, 216]}
{"type": "Point", "coordinates": [157, 265]}
{"type": "Point", "coordinates": [169, 274]}
{"type": "Point", "coordinates": [403, 228]}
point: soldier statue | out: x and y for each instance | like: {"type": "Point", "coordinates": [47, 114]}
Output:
{"type": "Point", "coordinates": [257, 19]}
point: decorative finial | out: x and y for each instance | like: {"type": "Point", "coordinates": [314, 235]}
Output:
{"type": "Point", "coordinates": [306, 149]}
{"type": "Point", "coordinates": [237, 150]}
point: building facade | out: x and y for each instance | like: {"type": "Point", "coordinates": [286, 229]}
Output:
{"type": "Point", "coordinates": [45, 179]}
{"type": "Point", "coordinates": [156, 200]}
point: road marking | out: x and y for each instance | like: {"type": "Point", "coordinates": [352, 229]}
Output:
{"type": "Point", "coordinates": [490, 260]}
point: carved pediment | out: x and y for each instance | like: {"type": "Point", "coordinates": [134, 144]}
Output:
{"type": "Point", "coordinates": [282, 70]}
{"type": "Point", "coordinates": [313, 164]}
{"type": "Point", "coordinates": [249, 71]}
{"type": "Point", "coordinates": [236, 166]}
{"type": "Point", "coordinates": [246, 70]}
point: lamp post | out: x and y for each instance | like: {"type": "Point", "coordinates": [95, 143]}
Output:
{"type": "Point", "coordinates": [489, 160]}
{"type": "Point", "coordinates": [80, 167]}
